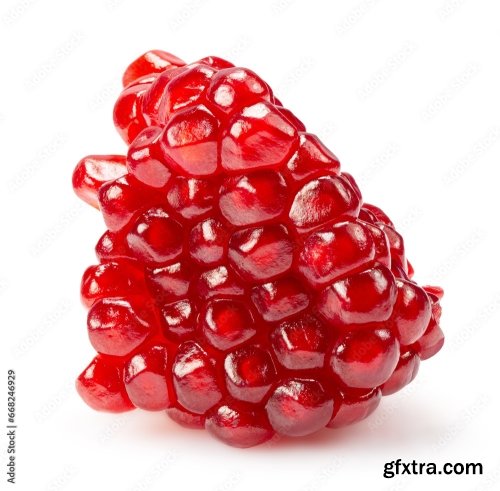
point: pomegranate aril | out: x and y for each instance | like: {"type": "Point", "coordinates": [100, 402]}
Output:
{"type": "Point", "coordinates": [194, 378]}
{"type": "Point", "coordinates": [127, 113]}
{"type": "Point", "coordinates": [208, 242]}
{"type": "Point", "coordinates": [299, 125]}
{"type": "Point", "coordinates": [334, 251]}
{"type": "Point", "coordinates": [412, 312]}
{"type": "Point", "coordinates": [219, 282]}
{"type": "Point", "coordinates": [145, 378]}
{"type": "Point", "coordinates": [405, 371]}
{"type": "Point", "coordinates": [155, 237]}
{"type": "Point", "coordinates": [431, 341]}
{"type": "Point", "coordinates": [190, 198]}
{"type": "Point", "coordinates": [186, 418]}
{"type": "Point", "coordinates": [215, 62]}
{"type": "Point", "coordinates": [179, 319]}
{"type": "Point", "coordinates": [227, 323]}
{"type": "Point", "coordinates": [168, 282]}
{"type": "Point", "coordinates": [93, 171]}
{"type": "Point", "coordinates": [298, 407]}
{"type": "Point", "coordinates": [365, 358]}
{"type": "Point", "coordinates": [187, 87]}
{"type": "Point", "coordinates": [153, 100]}
{"type": "Point", "coordinates": [110, 280]}
{"type": "Point", "coordinates": [189, 142]}
{"type": "Point", "coordinates": [301, 343]}
{"type": "Point", "coordinates": [249, 373]}
{"type": "Point", "coordinates": [258, 136]}
{"type": "Point", "coordinates": [145, 159]}
{"type": "Point", "coordinates": [239, 425]}
{"type": "Point", "coordinates": [234, 88]}
{"type": "Point", "coordinates": [154, 61]}
{"type": "Point", "coordinates": [311, 157]}
{"type": "Point", "coordinates": [258, 254]}
{"type": "Point", "coordinates": [112, 246]}
{"type": "Point", "coordinates": [353, 406]}
{"type": "Point", "coordinates": [100, 385]}
{"type": "Point", "coordinates": [363, 297]}
{"type": "Point", "coordinates": [254, 198]}
{"type": "Point", "coordinates": [280, 299]}
{"type": "Point", "coordinates": [120, 200]}
{"type": "Point", "coordinates": [322, 200]}
{"type": "Point", "coordinates": [116, 327]}
{"type": "Point", "coordinates": [243, 285]}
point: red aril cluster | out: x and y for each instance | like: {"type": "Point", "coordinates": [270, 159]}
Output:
{"type": "Point", "coordinates": [242, 284]}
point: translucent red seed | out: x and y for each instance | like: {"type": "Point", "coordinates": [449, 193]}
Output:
{"type": "Point", "coordinates": [243, 286]}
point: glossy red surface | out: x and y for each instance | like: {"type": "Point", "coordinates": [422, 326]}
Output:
{"type": "Point", "coordinates": [242, 284]}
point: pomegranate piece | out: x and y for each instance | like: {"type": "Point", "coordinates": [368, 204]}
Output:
{"type": "Point", "coordinates": [154, 61]}
{"type": "Point", "coordinates": [194, 379]}
{"type": "Point", "coordinates": [258, 254]}
{"type": "Point", "coordinates": [100, 385]}
{"type": "Point", "coordinates": [258, 136]}
{"type": "Point", "coordinates": [353, 406]}
{"type": "Point", "coordinates": [239, 425]}
{"type": "Point", "coordinates": [299, 407]}
{"type": "Point", "coordinates": [93, 171]}
{"type": "Point", "coordinates": [249, 373]}
{"type": "Point", "coordinates": [365, 358]}
{"type": "Point", "coordinates": [145, 378]}
{"type": "Point", "coordinates": [242, 285]}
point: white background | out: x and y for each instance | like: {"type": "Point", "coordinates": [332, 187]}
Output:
{"type": "Point", "coordinates": [405, 93]}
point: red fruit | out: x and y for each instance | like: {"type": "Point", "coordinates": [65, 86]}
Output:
{"type": "Point", "coordinates": [239, 425]}
{"type": "Point", "coordinates": [249, 373]}
{"type": "Point", "coordinates": [219, 282]}
{"type": "Point", "coordinates": [299, 407]}
{"type": "Point", "coordinates": [187, 88]}
{"type": "Point", "coordinates": [100, 385]}
{"type": "Point", "coordinates": [431, 341]}
{"type": "Point", "coordinates": [258, 136]}
{"type": "Point", "coordinates": [186, 418]}
{"type": "Point", "coordinates": [412, 312]}
{"type": "Point", "coordinates": [145, 160]}
{"type": "Point", "coordinates": [405, 372]}
{"type": "Point", "coordinates": [154, 61]}
{"type": "Point", "coordinates": [168, 282]}
{"type": "Point", "coordinates": [127, 114]}
{"type": "Point", "coordinates": [300, 344]}
{"type": "Point", "coordinates": [323, 200]}
{"type": "Point", "coordinates": [190, 142]}
{"type": "Point", "coordinates": [194, 379]}
{"type": "Point", "coordinates": [234, 88]}
{"type": "Point", "coordinates": [180, 319]}
{"type": "Point", "coordinates": [110, 280]}
{"type": "Point", "coordinates": [120, 200]}
{"type": "Point", "coordinates": [364, 297]}
{"type": "Point", "coordinates": [311, 158]}
{"type": "Point", "coordinates": [227, 323]}
{"type": "Point", "coordinates": [334, 251]}
{"type": "Point", "coordinates": [353, 406]}
{"type": "Point", "coordinates": [365, 358]}
{"type": "Point", "coordinates": [190, 198]}
{"type": "Point", "coordinates": [145, 378]}
{"type": "Point", "coordinates": [208, 242]}
{"type": "Point", "coordinates": [242, 285]}
{"type": "Point", "coordinates": [93, 171]}
{"type": "Point", "coordinates": [280, 299]}
{"type": "Point", "coordinates": [253, 198]}
{"type": "Point", "coordinates": [116, 327]}
{"type": "Point", "coordinates": [258, 254]}
{"type": "Point", "coordinates": [155, 237]}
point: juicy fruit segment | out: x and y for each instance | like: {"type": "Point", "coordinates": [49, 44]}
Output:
{"type": "Point", "coordinates": [242, 286]}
